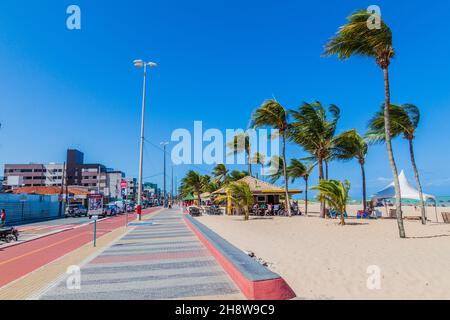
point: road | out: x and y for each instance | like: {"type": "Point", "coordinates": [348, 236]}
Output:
{"type": "Point", "coordinates": [19, 260]}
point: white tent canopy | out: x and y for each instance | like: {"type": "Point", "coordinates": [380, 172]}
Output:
{"type": "Point", "coordinates": [406, 190]}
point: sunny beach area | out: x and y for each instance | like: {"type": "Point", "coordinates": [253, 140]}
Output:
{"type": "Point", "coordinates": [320, 259]}
{"type": "Point", "coordinates": [228, 156]}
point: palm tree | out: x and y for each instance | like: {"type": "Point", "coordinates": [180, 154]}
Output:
{"type": "Point", "coordinates": [356, 39]}
{"type": "Point", "coordinates": [299, 170]}
{"type": "Point", "coordinates": [220, 172]}
{"type": "Point", "coordinates": [350, 145]}
{"type": "Point", "coordinates": [241, 143]}
{"type": "Point", "coordinates": [335, 194]}
{"type": "Point", "coordinates": [272, 114]}
{"type": "Point", "coordinates": [259, 158]}
{"type": "Point", "coordinates": [315, 131]}
{"type": "Point", "coordinates": [276, 162]}
{"type": "Point", "coordinates": [404, 121]}
{"type": "Point", "coordinates": [193, 183]}
{"type": "Point", "coordinates": [237, 175]}
{"type": "Point", "coordinates": [240, 195]}
{"type": "Point", "coordinates": [209, 185]}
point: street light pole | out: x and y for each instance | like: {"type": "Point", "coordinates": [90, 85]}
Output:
{"type": "Point", "coordinates": [140, 64]}
{"type": "Point", "coordinates": [164, 144]}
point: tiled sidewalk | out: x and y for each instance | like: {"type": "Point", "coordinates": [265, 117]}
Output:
{"type": "Point", "coordinates": [163, 260]}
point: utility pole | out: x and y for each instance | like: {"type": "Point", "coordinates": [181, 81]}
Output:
{"type": "Point", "coordinates": [61, 207]}
{"type": "Point", "coordinates": [176, 189]}
{"type": "Point", "coordinates": [67, 191]}
{"type": "Point", "coordinates": [164, 144]}
{"type": "Point", "coordinates": [171, 192]}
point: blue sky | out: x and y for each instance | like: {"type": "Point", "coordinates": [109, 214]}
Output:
{"type": "Point", "coordinates": [218, 60]}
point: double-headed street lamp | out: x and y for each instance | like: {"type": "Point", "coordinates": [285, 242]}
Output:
{"type": "Point", "coordinates": [141, 64]}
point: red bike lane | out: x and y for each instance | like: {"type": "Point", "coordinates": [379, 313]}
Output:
{"type": "Point", "coordinates": [17, 261]}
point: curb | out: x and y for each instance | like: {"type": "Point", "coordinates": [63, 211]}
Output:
{"type": "Point", "coordinates": [255, 281]}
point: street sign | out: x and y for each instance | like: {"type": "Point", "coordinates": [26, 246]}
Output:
{"type": "Point", "coordinates": [123, 184]}
{"type": "Point", "coordinates": [124, 193]}
{"type": "Point", "coordinates": [95, 204]}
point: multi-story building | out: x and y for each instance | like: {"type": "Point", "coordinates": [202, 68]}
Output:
{"type": "Point", "coordinates": [151, 189]}
{"type": "Point", "coordinates": [113, 181]}
{"type": "Point", "coordinates": [54, 174]}
{"type": "Point", "coordinates": [92, 177]}
{"type": "Point", "coordinates": [131, 190]}
{"type": "Point", "coordinates": [33, 175]}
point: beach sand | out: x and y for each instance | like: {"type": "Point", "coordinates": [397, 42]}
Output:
{"type": "Point", "coordinates": [322, 260]}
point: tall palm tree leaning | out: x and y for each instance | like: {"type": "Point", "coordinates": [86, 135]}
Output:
{"type": "Point", "coordinates": [272, 114]}
{"type": "Point", "coordinates": [241, 143]}
{"type": "Point", "coordinates": [315, 131]}
{"type": "Point", "coordinates": [404, 121]}
{"type": "Point", "coordinates": [356, 38]}
{"type": "Point", "coordinates": [259, 158]}
{"type": "Point", "coordinates": [299, 170]}
{"type": "Point", "coordinates": [237, 175]}
{"type": "Point", "coordinates": [335, 194]}
{"type": "Point", "coordinates": [276, 174]}
{"type": "Point", "coordinates": [350, 145]}
{"type": "Point", "coordinates": [194, 182]}
{"type": "Point", "coordinates": [220, 173]}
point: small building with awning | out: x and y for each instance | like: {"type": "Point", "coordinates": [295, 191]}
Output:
{"type": "Point", "coordinates": [262, 191]}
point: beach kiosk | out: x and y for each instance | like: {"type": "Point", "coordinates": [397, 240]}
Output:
{"type": "Point", "coordinates": [263, 192]}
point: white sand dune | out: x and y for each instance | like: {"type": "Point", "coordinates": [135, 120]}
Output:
{"type": "Point", "coordinates": [322, 260]}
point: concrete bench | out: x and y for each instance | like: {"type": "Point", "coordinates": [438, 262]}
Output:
{"type": "Point", "coordinates": [254, 280]}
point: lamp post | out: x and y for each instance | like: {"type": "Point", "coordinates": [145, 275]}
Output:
{"type": "Point", "coordinates": [164, 144]}
{"type": "Point", "coordinates": [142, 64]}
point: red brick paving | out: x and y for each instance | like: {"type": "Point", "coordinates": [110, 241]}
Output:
{"type": "Point", "coordinates": [17, 261]}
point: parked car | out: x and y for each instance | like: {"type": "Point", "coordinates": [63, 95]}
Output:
{"type": "Point", "coordinates": [111, 210]}
{"type": "Point", "coordinates": [120, 205]}
{"type": "Point", "coordinates": [76, 210]}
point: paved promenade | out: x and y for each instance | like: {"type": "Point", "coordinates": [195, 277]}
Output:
{"type": "Point", "coordinates": [159, 259]}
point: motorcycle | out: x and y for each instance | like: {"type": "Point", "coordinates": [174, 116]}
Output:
{"type": "Point", "coordinates": [9, 234]}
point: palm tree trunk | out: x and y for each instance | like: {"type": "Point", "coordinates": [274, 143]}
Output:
{"type": "Point", "coordinates": [326, 169]}
{"type": "Point", "coordinates": [322, 204]}
{"type": "Point", "coordinates": [286, 179]}
{"type": "Point", "coordinates": [343, 218]}
{"type": "Point", "coordinates": [306, 196]}
{"type": "Point", "coordinates": [387, 127]}
{"type": "Point", "coordinates": [363, 172]}
{"type": "Point", "coordinates": [199, 199]}
{"type": "Point", "coordinates": [246, 211]}
{"type": "Point", "coordinates": [249, 165]}
{"type": "Point", "coordinates": [419, 185]}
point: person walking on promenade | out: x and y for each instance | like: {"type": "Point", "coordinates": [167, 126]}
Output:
{"type": "Point", "coordinates": [2, 218]}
